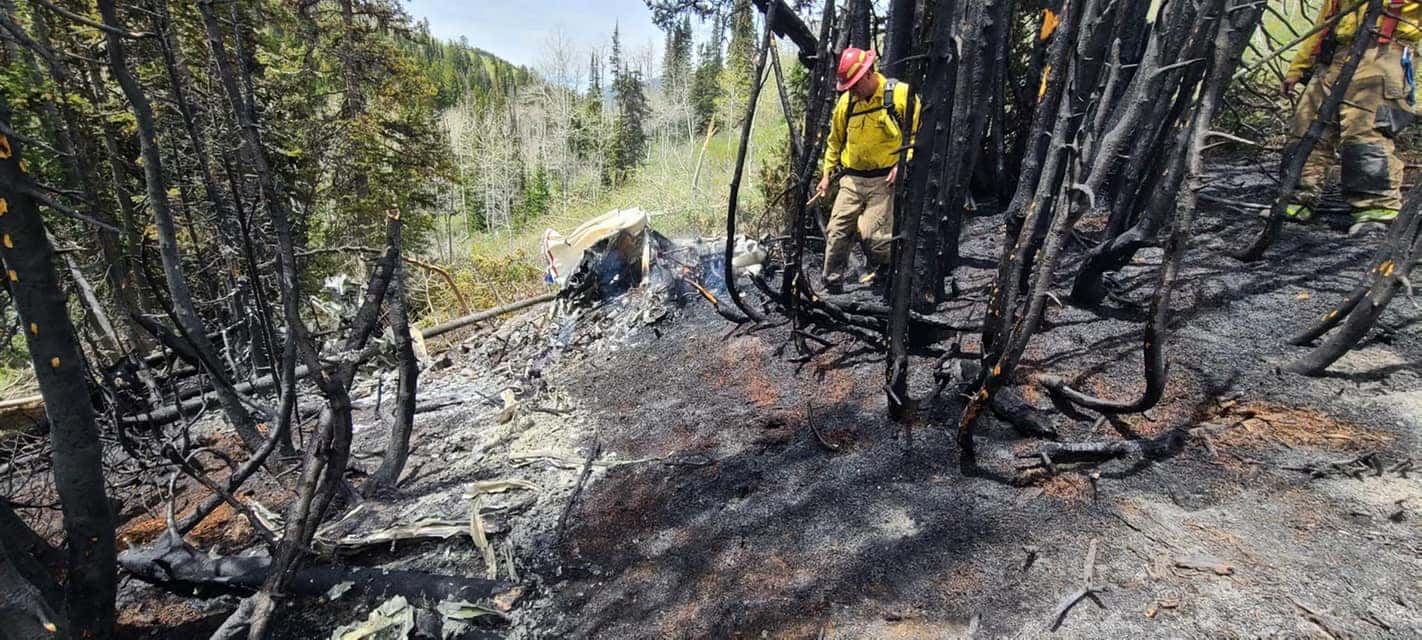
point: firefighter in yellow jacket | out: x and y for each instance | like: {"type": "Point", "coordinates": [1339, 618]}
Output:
{"type": "Point", "coordinates": [863, 147]}
{"type": "Point", "coordinates": [1379, 104]}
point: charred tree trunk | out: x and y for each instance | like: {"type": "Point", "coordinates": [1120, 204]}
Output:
{"type": "Point", "coordinates": [925, 268]}
{"type": "Point", "coordinates": [987, 28]}
{"type": "Point", "coordinates": [397, 447]}
{"type": "Point", "coordinates": [898, 40]}
{"type": "Point", "coordinates": [1038, 144]}
{"type": "Point", "coordinates": [328, 453]}
{"type": "Point", "coordinates": [860, 24]}
{"type": "Point", "coordinates": [382, 277]}
{"type": "Point", "coordinates": [793, 281]}
{"type": "Point", "coordinates": [1068, 186]}
{"type": "Point", "coordinates": [59, 368]}
{"type": "Point", "coordinates": [920, 190]}
{"type": "Point", "coordinates": [1233, 33]}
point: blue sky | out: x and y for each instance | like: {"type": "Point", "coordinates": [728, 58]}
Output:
{"type": "Point", "coordinates": [517, 31]}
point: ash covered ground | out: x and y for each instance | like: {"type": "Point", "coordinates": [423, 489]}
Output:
{"type": "Point", "coordinates": [735, 493]}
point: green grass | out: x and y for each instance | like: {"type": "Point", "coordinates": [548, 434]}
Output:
{"type": "Point", "coordinates": [496, 267]}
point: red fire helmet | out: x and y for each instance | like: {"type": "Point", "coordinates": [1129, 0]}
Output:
{"type": "Point", "coordinates": [853, 64]}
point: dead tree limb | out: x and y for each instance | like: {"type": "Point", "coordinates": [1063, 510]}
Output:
{"type": "Point", "coordinates": [442, 272]}
{"type": "Point", "coordinates": [236, 478]}
{"type": "Point", "coordinates": [176, 565]}
{"type": "Point", "coordinates": [796, 144]}
{"type": "Point", "coordinates": [756, 83]}
{"type": "Point", "coordinates": [1049, 454]}
{"type": "Point", "coordinates": [1088, 589]}
{"type": "Point", "coordinates": [1280, 50]}
{"type": "Point", "coordinates": [593, 452]}
{"type": "Point", "coordinates": [1337, 314]}
{"type": "Point", "coordinates": [185, 315]}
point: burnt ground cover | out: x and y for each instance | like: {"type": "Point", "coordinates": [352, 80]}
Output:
{"type": "Point", "coordinates": [785, 538]}
{"type": "Point", "coordinates": [732, 492]}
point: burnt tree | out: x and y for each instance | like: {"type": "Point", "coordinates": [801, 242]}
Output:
{"type": "Point", "coordinates": [34, 285]}
{"type": "Point", "coordinates": [189, 323]}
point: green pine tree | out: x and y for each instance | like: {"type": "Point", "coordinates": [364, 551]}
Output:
{"type": "Point", "coordinates": [705, 82]}
{"type": "Point", "coordinates": [735, 78]}
{"type": "Point", "coordinates": [537, 196]}
{"type": "Point", "coordinates": [676, 60]}
{"type": "Point", "coordinates": [629, 138]}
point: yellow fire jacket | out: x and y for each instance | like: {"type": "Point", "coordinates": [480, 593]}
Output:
{"type": "Point", "coordinates": [1409, 30]}
{"type": "Point", "coordinates": [867, 138]}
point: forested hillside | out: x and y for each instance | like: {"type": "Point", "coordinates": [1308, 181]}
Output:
{"type": "Point", "coordinates": [461, 72]}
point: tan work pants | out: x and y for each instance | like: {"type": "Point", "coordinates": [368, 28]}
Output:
{"type": "Point", "coordinates": [1374, 111]}
{"type": "Point", "coordinates": [865, 206]}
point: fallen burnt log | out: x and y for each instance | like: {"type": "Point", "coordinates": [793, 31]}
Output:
{"type": "Point", "coordinates": [1048, 455]}
{"type": "Point", "coordinates": [460, 323]}
{"type": "Point", "coordinates": [1070, 452]}
{"type": "Point", "coordinates": [175, 565]}
{"type": "Point", "coordinates": [19, 410]}
{"type": "Point", "coordinates": [175, 412]}
{"type": "Point", "coordinates": [1347, 324]}
{"type": "Point", "coordinates": [1045, 457]}
{"type": "Point", "coordinates": [921, 320]}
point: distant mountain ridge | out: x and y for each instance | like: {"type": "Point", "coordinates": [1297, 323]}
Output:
{"type": "Point", "coordinates": [457, 69]}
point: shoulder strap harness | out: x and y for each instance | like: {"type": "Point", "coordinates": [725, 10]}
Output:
{"type": "Point", "coordinates": [1390, 18]}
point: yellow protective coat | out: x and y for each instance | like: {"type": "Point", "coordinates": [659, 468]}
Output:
{"type": "Point", "coordinates": [872, 138]}
{"type": "Point", "coordinates": [1409, 30]}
